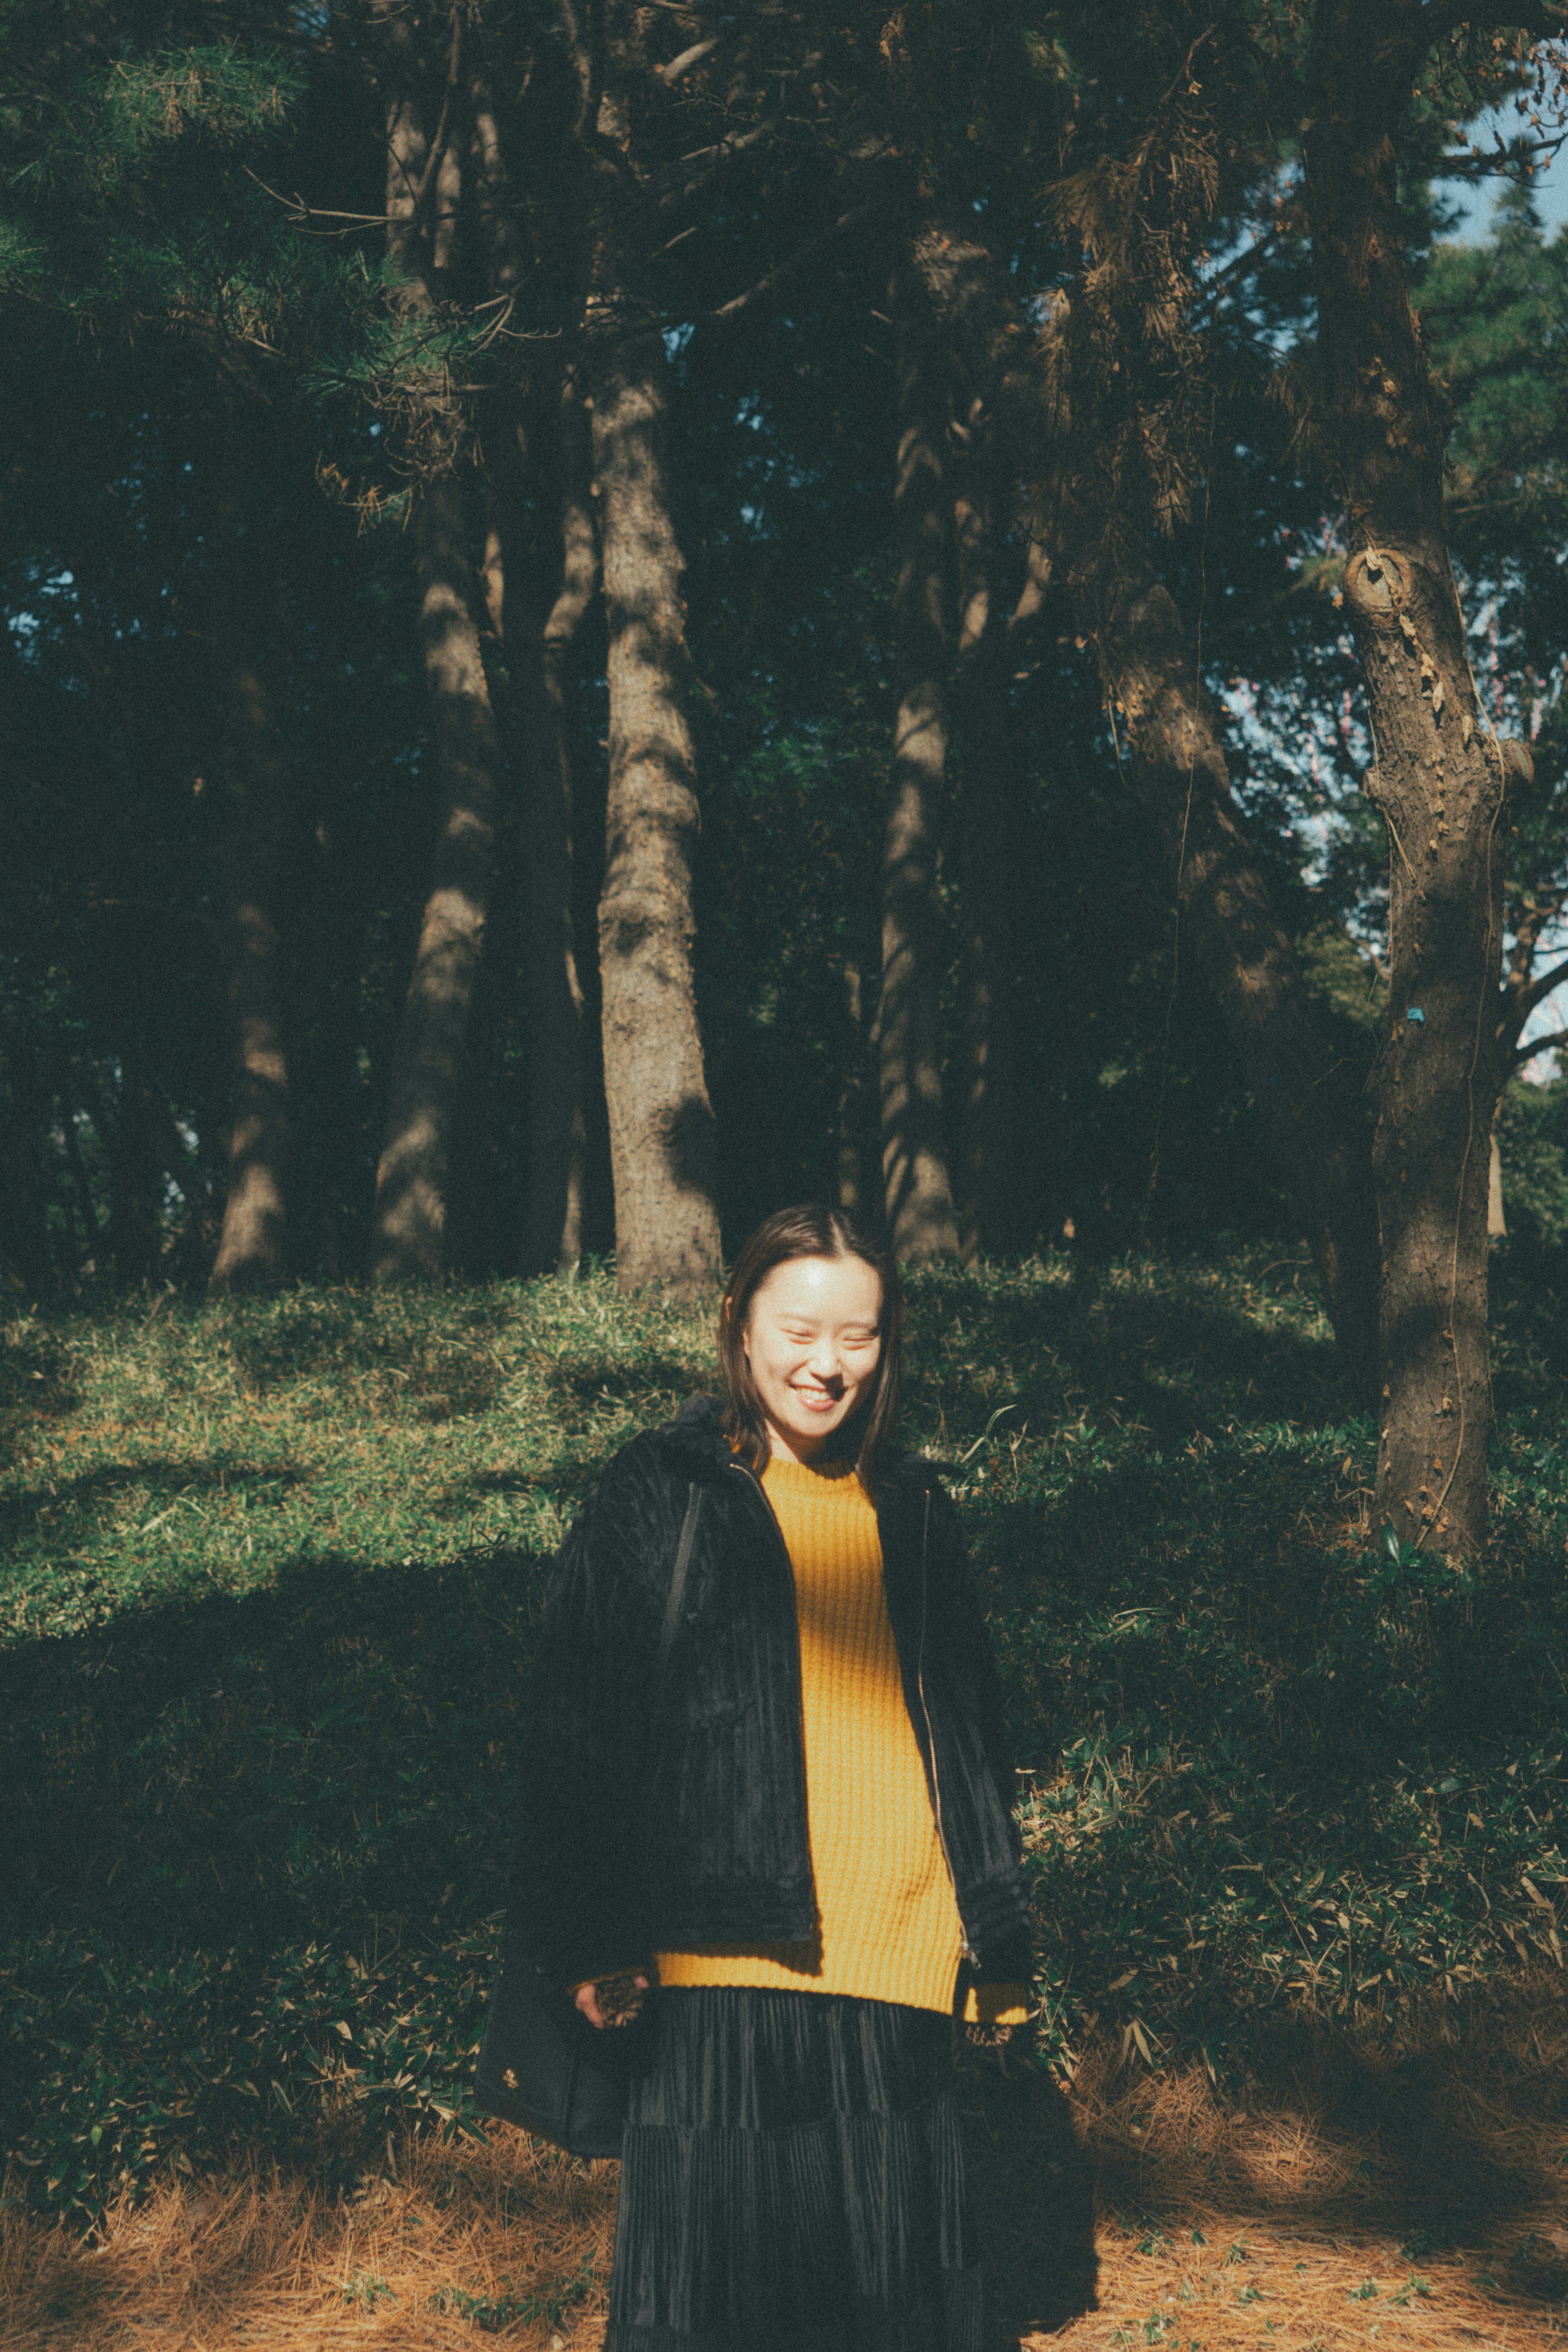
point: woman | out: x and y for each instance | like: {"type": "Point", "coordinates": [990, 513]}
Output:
{"type": "Point", "coordinates": [803, 1830]}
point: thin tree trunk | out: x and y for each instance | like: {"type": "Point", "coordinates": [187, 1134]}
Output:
{"type": "Point", "coordinates": [253, 1246]}
{"type": "Point", "coordinates": [423, 192]}
{"type": "Point", "coordinates": [916, 1188]}
{"type": "Point", "coordinates": [86, 1208]}
{"type": "Point", "coordinates": [852, 1096]}
{"type": "Point", "coordinates": [135, 1171]}
{"type": "Point", "coordinates": [661, 1122]}
{"type": "Point", "coordinates": [557, 1136]}
{"type": "Point", "coordinates": [1440, 779]}
{"type": "Point", "coordinates": [990, 870]}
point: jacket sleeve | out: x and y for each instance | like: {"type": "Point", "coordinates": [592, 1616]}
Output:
{"type": "Point", "coordinates": [578, 1898]}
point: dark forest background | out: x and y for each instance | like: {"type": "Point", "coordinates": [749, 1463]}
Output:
{"type": "Point", "coordinates": [935, 414]}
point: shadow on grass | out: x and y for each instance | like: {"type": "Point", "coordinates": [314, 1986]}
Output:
{"type": "Point", "coordinates": [292, 1762]}
{"type": "Point", "coordinates": [1174, 1362]}
{"type": "Point", "coordinates": [648, 1378]}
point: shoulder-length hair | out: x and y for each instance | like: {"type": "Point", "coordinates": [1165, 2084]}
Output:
{"type": "Point", "coordinates": [808, 1231]}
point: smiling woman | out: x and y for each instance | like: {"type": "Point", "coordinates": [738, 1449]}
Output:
{"type": "Point", "coordinates": [823, 1870]}
{"type": "Point", "coordinates": [812, 1343]}
{"type": "Point", "coordinates": [809, 1338]}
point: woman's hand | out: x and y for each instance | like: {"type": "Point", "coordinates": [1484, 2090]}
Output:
{"type": "Point", "coordinates": [623, 1997]}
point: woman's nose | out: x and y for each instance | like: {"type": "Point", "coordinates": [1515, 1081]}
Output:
{"type": "Point", "coordinates": [823, 1360]}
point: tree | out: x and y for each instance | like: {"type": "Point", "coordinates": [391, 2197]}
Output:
{"type": "Point", "coordinates": [918, 1191]}
{"type": "Point", "coordinates": [1440, 779]}
{"type": "Point", "coordinates": [430, 152]}
{"type": "Point", "coordinates": [558, 1143]}
{"type": "Point", "coordinates": [253, 1246]}
{"type": "Point", "coordinates": [661, 1120]}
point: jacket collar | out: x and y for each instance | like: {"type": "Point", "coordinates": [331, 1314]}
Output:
{"type": "Point", "coordinates": [695, 1441]}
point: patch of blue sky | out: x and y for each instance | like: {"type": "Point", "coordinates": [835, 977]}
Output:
{"type": "Point", "coordinates": [1476, 200]}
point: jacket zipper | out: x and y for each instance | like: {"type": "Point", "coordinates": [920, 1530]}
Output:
{"type": "Point", "coordinates": [965, 1946]}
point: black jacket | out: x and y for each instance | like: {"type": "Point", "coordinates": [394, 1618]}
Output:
{"type": "Point", "coordinates": [684, 1824]}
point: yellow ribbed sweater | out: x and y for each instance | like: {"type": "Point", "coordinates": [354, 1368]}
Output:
{"type": "Point", "coordinates": [889, 1920]}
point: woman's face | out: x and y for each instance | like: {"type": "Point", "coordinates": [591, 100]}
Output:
{"type": "Point", "coordinates": [813, 1343]}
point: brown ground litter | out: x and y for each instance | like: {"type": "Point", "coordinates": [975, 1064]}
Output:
{"type": "Point", "coordinates": [1412, 2194]}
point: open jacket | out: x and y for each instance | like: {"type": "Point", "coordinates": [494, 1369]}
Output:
{"type": "Point", "coordinates": [673, 1815]}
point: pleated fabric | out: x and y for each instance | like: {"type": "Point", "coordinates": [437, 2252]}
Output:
{"type": "Point", "coordinates": [792, 2181]}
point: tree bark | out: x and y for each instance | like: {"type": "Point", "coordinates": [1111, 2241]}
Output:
{"type": "Point", "coordinates": [427, 1061]}
{"type": "Point", "coordinates": [1440, 779]}
{"type": "Point", "coordinates": [854, 1095]}
{"type": "Point", "coordinates": [253, 1246]}
{"type": "Point", "coordinates": [424, 190]}
{"type": "Point", "coordinates": [556, 1134]}
{"type": "Point", "coordinates": [917, 1190]}
{"type": "Point", "coordinates": [661, 1122]}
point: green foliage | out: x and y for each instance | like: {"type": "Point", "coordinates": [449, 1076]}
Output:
{"type": "Point", "coordinates": [492, 2314]}
{"type": "Point", "coordinates": [274, 1571]}
{"type": "Point", "coordinates": [1531, 1143]}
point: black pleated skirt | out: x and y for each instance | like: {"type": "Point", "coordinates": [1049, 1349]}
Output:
{"type": "Point", "coordinates": [792, 2181]}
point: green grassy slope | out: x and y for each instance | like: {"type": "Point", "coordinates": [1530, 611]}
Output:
{"type": "Point", "coordinates": [271, 1575]}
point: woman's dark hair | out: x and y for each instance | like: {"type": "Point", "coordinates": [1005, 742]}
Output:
{"type": "Point", "coordinates": [806, 1232]}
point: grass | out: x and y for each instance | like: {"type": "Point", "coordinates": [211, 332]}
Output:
{"type": "Point", "coordinates": [271, 1573]}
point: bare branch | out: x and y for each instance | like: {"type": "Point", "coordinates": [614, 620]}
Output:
{"type": "Point", "coordinates": [1210, 287]}
{"type": "Point", "coordinates": [797, 260]}
{"type": "Point", "coordinates": [1523, 1053]}
{"type": "Point", "coordinates": [433, 161]}
{"type": "Point", "coordinates": [1538, 990]}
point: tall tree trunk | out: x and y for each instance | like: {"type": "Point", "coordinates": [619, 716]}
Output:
{"type": "Point", "coordinates": [989, 879]}
{"type": "Point", "coordinates": [917, 1190]}
{"type": "Point", "coordinates": [424, 189]}
{"type": "Point", "coordinates": [427, 1061]}
{"type": "Point", "coordinates": [1440, 779]}
{"type": "Point", "coordinates": [852, 1094]}
{"type": "Point", "coordinates": [557, 1135]}
{"type": "Point", "coordinates": [661, 1122]}
{"type": "Point", "coordinates": [253, 1246]}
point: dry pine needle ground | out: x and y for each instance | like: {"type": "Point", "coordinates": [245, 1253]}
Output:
{"type": "Point", "coordinates": [1413, 2195]}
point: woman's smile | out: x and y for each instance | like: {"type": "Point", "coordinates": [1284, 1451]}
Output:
{"type": "Point", "coordinates": [813, 1342]}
